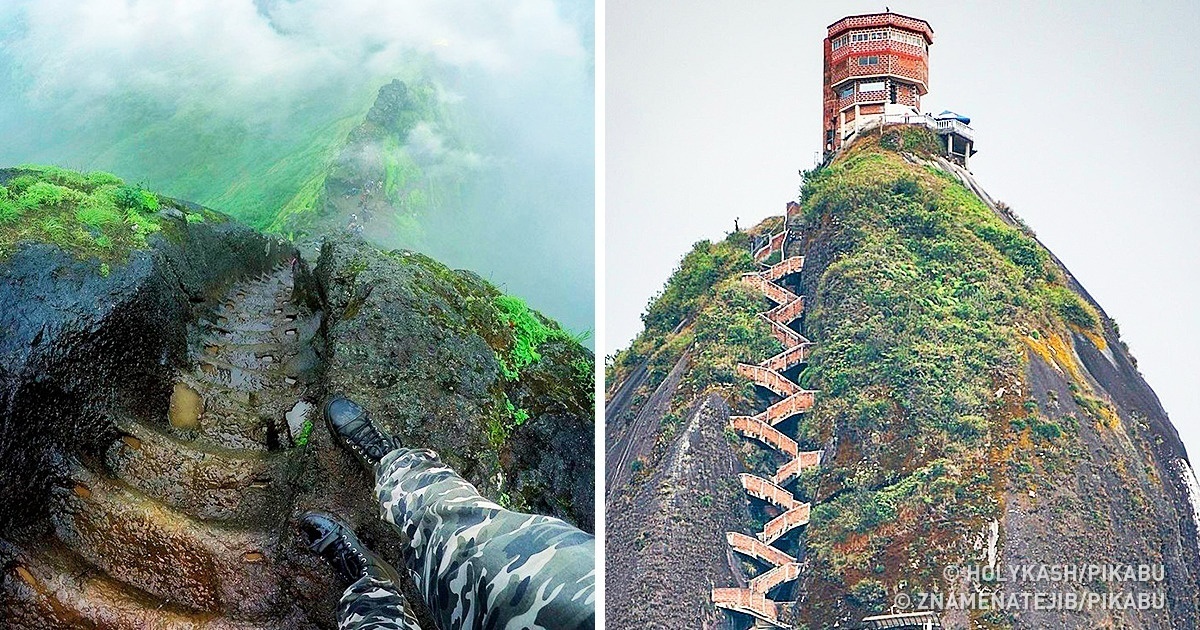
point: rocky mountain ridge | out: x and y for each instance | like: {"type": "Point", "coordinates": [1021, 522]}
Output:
{"type": "Point", "coordinates": [160, 368]}
{"type": "Point", "coordinates": [974, 405]}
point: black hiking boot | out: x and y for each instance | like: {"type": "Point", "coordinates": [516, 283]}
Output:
{"type": "Point", "coordinates": [353, 430]}
{"type": "Point", "coordinates": [333, 540]}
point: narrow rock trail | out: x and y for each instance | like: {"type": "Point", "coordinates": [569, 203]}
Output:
{"type": "Point", "coordinates": [182, 522]}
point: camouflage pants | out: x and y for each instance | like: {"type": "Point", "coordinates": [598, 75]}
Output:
{"type": "Point", "coordinates": [375, 603]}
{"type": "Point", "coordinates": [478, 566]}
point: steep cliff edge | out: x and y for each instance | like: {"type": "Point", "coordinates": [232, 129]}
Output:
{"type": "Point", "coordinates": [160, 370]}
{"type": "Point", "coordinates": [973, 406]}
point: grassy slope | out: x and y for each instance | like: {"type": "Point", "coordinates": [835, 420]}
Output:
{"type": "Point", "coordinates": [274, 179]}
{"type": "Point", "coordinates": [94, 215]}
{"type": "Point", "coordinates": [412, 186]}
{"type": "Point", "coordinates": [923, 303]}
{"type": "Point", "coordinates": [289, 187]}
{"type": "Point", "coordinates": [706, 308]}
{"type": "Point", "coordinates": [249, 171]}
{"type": "Point", "coordinates": [923, 312]}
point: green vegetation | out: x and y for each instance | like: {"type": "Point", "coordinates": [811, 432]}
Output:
{"type": "Point", "coordinates": [1073, 309]}
{"type": "Point", "coordinates": [254, 173]}
{"type": "Point", "coordinates": [870, 593]}
{"type": "Point", "coordinates": [913, 316]}
{"type": "Point", "coordinates": [270, 167]}
{"type": "Point", "coordinates": [584, 370]}
{"type": "Point", "coordinates": [728, 330]}
{"type": "Point", "coordinates": [305, 433]}
{"type": "Point", "coordinates": [705, 311]}
{"type": "Point", "coordinates": [410, 187]}
{"type": "Point", "coordinates": [913, 140]}
{"type": "Point", "coordinates": [500, 426]}
{"type": "Point", "coordinates": [688, 292]}
{"type": "Point", "coordinates": [1039, 427]}
{"type": "Point", "coordinates": [8, 209]}
{"type": "Point", "coordinates": [921, 313]}
{"type": "Point", "coordinates": [135, 199]}
{"type": "Point", "coordinates": [530, 330]}
{"type": "Point", "coordinates": [93, 215]}
{"type": "Point", "coordinates": [351, 156]}
{"type": "Point", "coordinates": [1100, 411]}
{"type": "Point", "coordinates": [699, 271]}
{"type": "Point", "coordinates": [539, 367]}
{"type": "Point", "coordinates": [273, 176]}
{"type": "Point", "coordinates": [300, 207]}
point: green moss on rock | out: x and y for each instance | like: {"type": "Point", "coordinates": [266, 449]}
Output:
{"type": "Point", "coordinates": [444, 359]}
{"type": "Point", "coordinates": [921, 296]}
{"type": "Point", "coordinates": [92, 215]}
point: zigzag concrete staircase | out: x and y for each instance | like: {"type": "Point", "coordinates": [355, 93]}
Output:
{"type": "Point", "coordinates": [753, 600]}
{"type": "Point", "coordinates": [180, 525]}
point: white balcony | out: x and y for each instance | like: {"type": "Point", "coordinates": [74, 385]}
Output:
{"type": "Point", "coordinates": [955, 126]}
{"type": "Point", "coordinates": [899, 116]}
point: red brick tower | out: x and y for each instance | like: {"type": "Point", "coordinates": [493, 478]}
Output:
{"type": "Point", "coordinates": [874, 64]}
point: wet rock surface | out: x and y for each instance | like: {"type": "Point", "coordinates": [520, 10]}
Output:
{"type": "Point", "coordinates": [416, 343]}
{"type": "Point", "coordinates": [78, 347]}
{"type": "Point", "coordinates": [186, 509]}
{"type": "Point", "coordinates": [162, 423]}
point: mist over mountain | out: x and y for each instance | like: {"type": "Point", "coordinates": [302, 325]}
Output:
{"type": "Point", "coordinates": [246, 106]}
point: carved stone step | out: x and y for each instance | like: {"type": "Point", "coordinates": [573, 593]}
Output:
{"type": "Point", "coordinates": [164, 552]}
{"type": "Point", "coordinates": [53, 589]}
{"type": "Point", "coordinates": [206, 483]}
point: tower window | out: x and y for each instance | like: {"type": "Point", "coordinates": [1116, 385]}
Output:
{"type": "Point", "coordinates": [873, 60]}
{"type": "Point", "coordinates": [847, 91]}
{"type": "Point", "coordinates": [908, 38]}
{"type": "Point", "coordinates": [874, 86]}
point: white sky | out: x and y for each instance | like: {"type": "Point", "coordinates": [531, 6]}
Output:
{"type": "Point", "coordinates": [1085, 114]}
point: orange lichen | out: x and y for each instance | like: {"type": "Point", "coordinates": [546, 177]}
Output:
{"type": "Point", "coordinates": [1097, 339]}
{"type": "Point", "coordinates": [1024, 440]}
{"type": "Point", "coordinates": [1055, 351]}
{"type": "Point", "coordinates": [1109, 416]}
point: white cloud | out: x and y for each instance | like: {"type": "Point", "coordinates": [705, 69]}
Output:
{"type": "Point", "coordinates": [270, 53]}
{"type": "Point", "coordinates": [427, 145]}
{"type": "Point", "coordinates": [155, 89]}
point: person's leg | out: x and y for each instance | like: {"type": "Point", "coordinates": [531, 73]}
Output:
{"type": "Point", "coordinates": [477, 564]}
{"type": "Point", "coordinates": [374, 604]}
{"type": "Point", "coordinates": [373, 600]}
